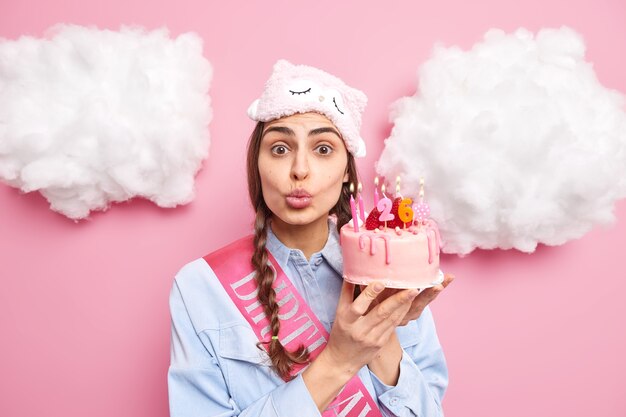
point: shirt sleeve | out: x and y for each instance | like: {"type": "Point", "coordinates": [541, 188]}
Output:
{"type": "Point", "coordinates": [423, 376]}
{"type": "Point", "coordinates": [196, 385]}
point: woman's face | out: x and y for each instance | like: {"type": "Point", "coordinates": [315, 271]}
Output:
{"type": "Point", "coordinates": [302, 163]}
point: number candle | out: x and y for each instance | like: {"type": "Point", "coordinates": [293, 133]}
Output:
{"type": "Point", "coordinates": [384, 206]}
{"type": "Point", "coordinates": [405, 212]}
{"type": "Point", "coordinates": [421, 209]}
{"type": "Point", "coordinates": [361, 205]}
{"type": "Point", "coordinates": [355, 220]}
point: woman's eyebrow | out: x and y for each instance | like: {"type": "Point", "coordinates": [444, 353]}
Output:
{"type": "Point", "coordinates": [287, 131]}
{"type": "Point", "coordinates": [321, 130]}
{"type": "Point", "coordinates": [280, 129]}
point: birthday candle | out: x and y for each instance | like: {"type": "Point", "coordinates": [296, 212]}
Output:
{"type": "Point", "coordinates": [398, 186]}
{"type": "Point", "coordinates": [405, 212]}
{"type": "Point", "coordinates": [376, 191]}
{"type": "Point", "coordinates": [355, 220]}
{"type": "Point", "coordinates": [384, 206]}
{"type": "Point", "coordinates": [361, 205]}
{"type": "Point", "coordinates": [421, 210]}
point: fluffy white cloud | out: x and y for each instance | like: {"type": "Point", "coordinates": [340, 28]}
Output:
{"type": "Point", "coordinates": [518, 142]}
{"type": "Point", "coordinates": [89, 117]}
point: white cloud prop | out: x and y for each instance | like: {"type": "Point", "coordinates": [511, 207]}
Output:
{"type": "Point", "coordinates": [518, 142]}
{"type": "Point", "coordinates": [89, 117]}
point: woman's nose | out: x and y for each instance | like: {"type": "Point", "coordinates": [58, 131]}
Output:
{"type": "Point", "coordinates": [300, 167]}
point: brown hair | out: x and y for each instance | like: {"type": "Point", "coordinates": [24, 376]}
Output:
{"type": "Point", "coordinates": [282, 359]}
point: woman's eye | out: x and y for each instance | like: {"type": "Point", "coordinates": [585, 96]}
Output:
{"type": "Point", "coordinates": [324, 149]}
{"type": "Point", "coordinates": [279, 149]}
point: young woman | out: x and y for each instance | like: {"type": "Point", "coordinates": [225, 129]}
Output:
{"type": "Point", "coordinates": [266, 326]}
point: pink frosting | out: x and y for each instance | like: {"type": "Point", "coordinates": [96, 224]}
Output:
{"type": "Point", "coordinates": [373, 236]}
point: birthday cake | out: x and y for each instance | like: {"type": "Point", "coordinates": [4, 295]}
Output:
{"type": "Point", "coordinates": [397, 243]}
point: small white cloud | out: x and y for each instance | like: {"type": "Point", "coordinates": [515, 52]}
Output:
{"type": "Point", "coordinates": [89, 117]}
{"type": "Point", "coordinates": [518, 142]}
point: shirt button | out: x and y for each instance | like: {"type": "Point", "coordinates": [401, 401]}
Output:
{"type": "Point", "coordinates": [393, 401]}
{"type": "Point", "coordinates": [318, 261]}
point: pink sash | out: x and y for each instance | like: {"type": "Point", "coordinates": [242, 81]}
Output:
{"type": "Point", "coordinates": [298, 323]}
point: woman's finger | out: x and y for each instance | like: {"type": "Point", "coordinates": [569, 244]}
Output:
{"type": "Point", "coordinates": [425, 297]}
{"type": "Point", "coordinates": [360, 306]}
{"type": "Point", "coordinates": [433, 292]}
{"type": "Point", "coordinates": [447, 279]}
{"type": "Point", "coordinates": [393, 308]}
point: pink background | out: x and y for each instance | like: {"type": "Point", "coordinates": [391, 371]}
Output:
{"type": "Point", "coordinates": [84, 314]}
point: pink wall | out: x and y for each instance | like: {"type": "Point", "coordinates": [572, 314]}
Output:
{"type": "Point", "coordinates": [84, 316]}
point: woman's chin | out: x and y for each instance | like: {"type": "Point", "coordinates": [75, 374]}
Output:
{"type": "Point", "coordinates": [300, 217]}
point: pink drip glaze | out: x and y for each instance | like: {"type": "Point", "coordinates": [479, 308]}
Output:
{"type": "Point", "coordinates": [433, 226]}
{"type": "Point", "coordinates": [361, 239]}
{"type": "Point", "coordinates": [387, 251]}
{"type": "Point", "coordinates": [373, 236]}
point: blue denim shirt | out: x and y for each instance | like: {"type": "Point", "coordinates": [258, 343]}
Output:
{"type": "Point", "coordinates": [217, 370]}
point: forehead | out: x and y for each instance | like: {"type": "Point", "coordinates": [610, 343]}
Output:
{"type": "Point", "coordinates": [308, 120]}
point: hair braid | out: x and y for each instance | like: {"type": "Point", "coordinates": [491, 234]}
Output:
{"type": "Point", "coordinates": [282, 359]}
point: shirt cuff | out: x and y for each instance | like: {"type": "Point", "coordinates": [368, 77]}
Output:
{"type": "Point", "coordinates": [411, 395]}
{"type": "Point", "coordinates": [379, 386]}
{"type": "Point", "coordinates": [294, 392]}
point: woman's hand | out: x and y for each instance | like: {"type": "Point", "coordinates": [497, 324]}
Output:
{"type": "Point", "coordinates": [424, 298]}
{"type": "Point", "coordinates": [359, 332]}
{"type": "Point", "coordinates": [420, 302]}
{"type": "Point", "coordinates": [357, 337]}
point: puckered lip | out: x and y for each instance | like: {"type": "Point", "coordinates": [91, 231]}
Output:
{"type": "Point", "coordinates": [299, 193]}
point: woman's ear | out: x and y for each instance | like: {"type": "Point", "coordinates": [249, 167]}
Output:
{"type": "Point", "coordinates": [346, 177]}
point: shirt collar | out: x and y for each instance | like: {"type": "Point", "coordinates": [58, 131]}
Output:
{"type": "Point", "coordinates": [276, 247]}
{"type": "Point", "coordinates": [331, 250]}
